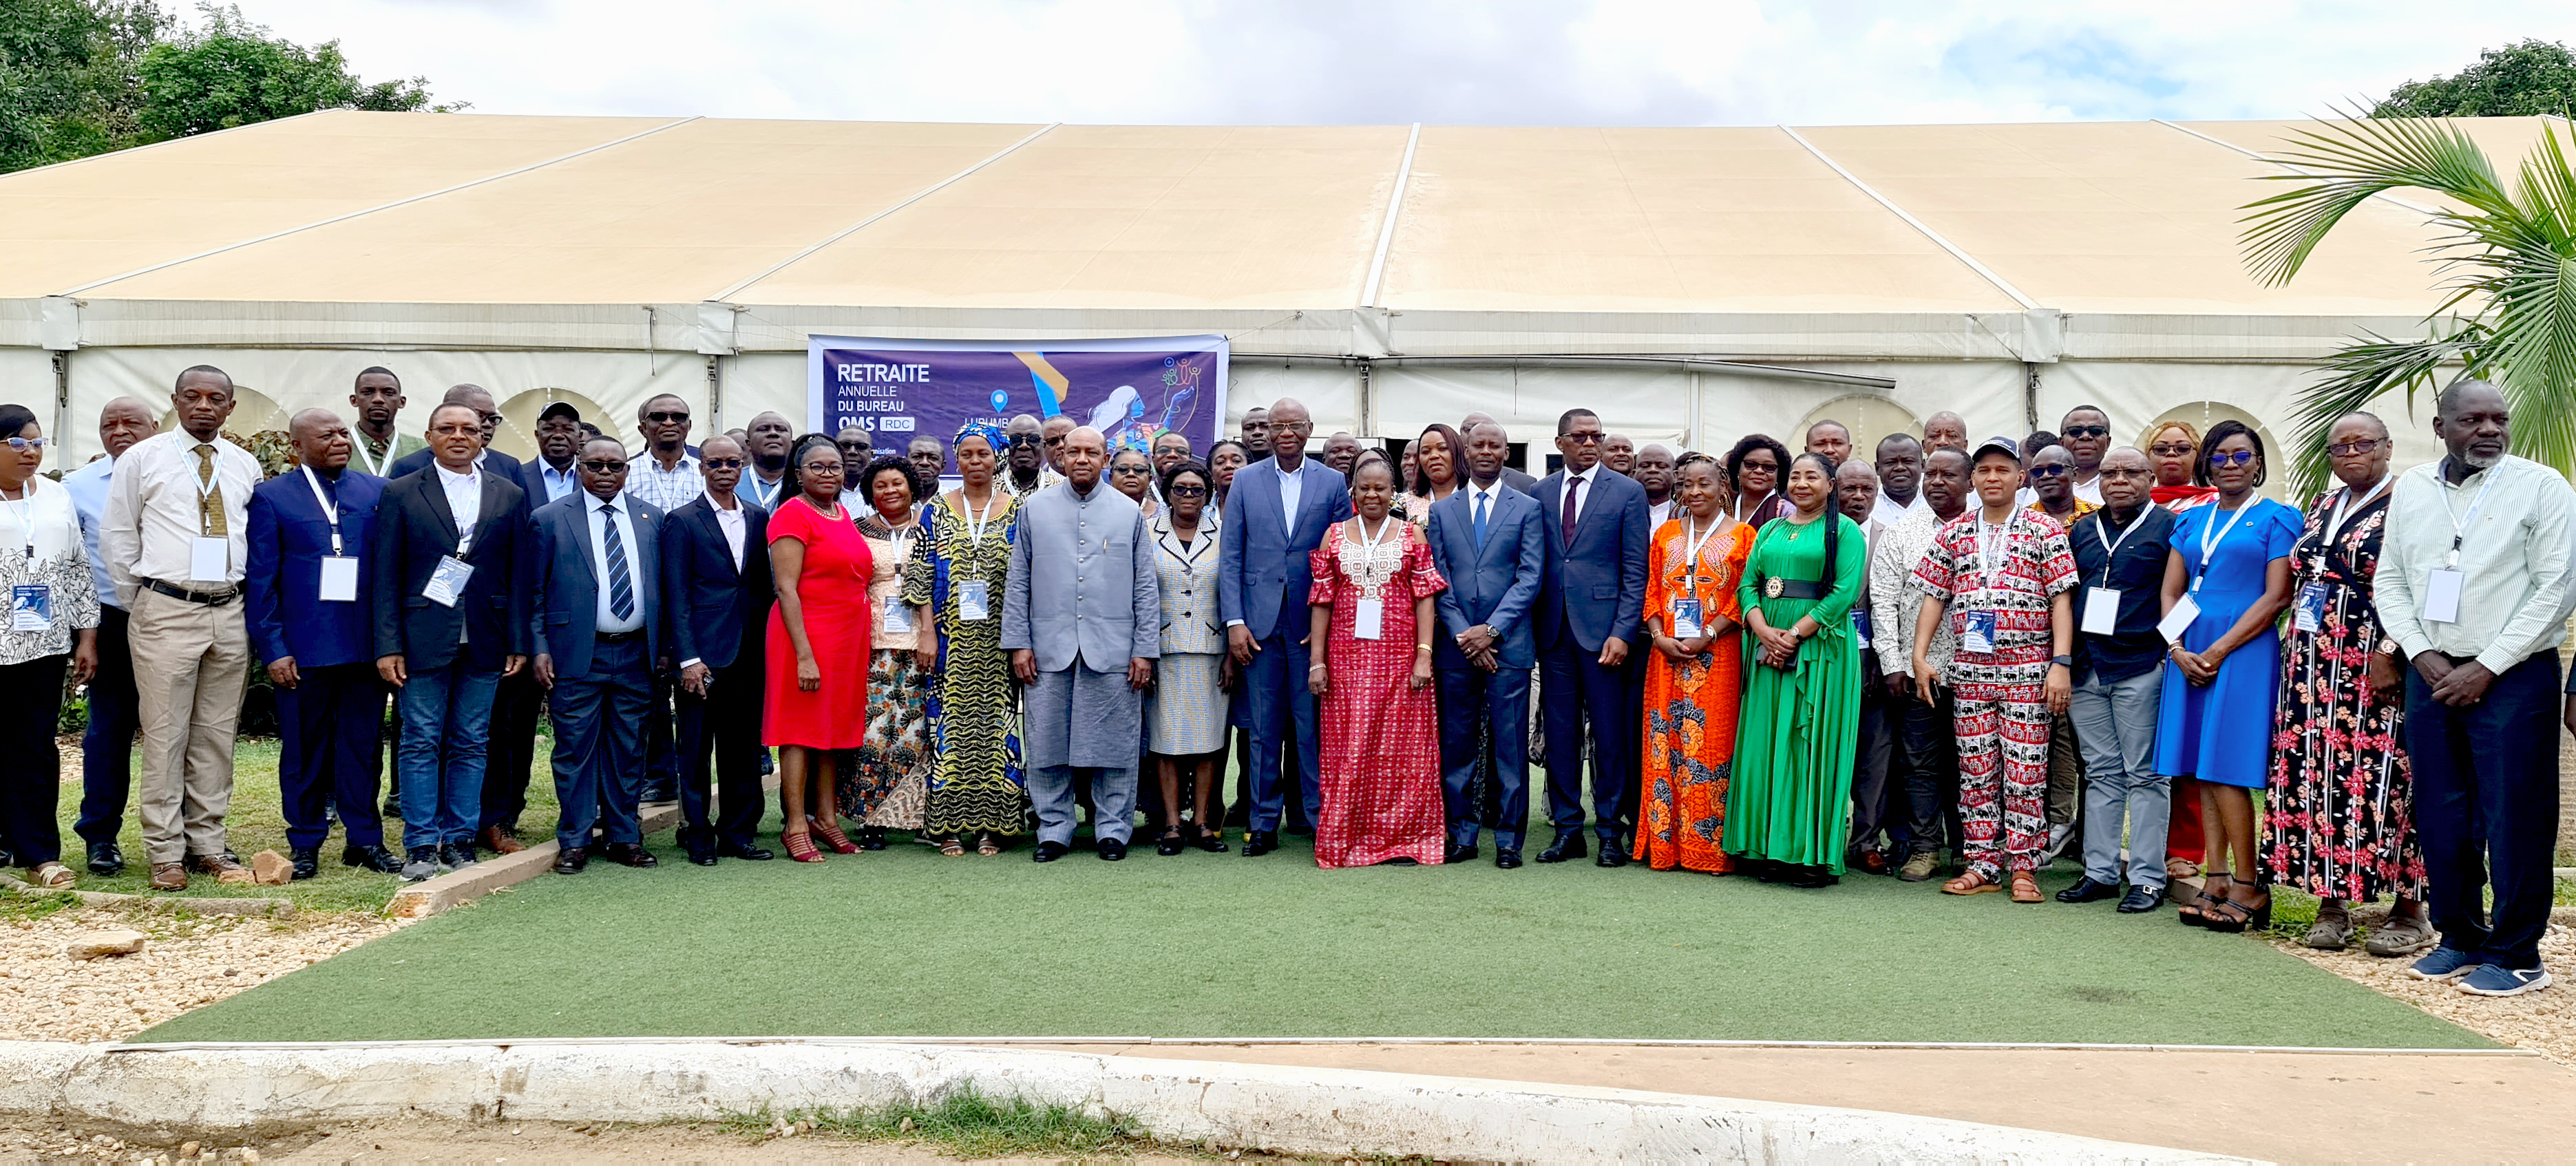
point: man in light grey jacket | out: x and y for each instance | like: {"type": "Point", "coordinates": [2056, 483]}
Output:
{"type": "Point", "coordinates": [1083, 621]}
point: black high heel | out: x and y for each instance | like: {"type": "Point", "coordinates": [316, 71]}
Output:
{"type": "Point", "coordinates": [2234, 918]}
{"type": "Point", "coordinates": [1211, 841]}
{"type": "Point", "coordinates": [1170, 843]}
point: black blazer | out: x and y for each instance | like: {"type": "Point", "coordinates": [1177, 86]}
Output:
{"type": "Point", "coordinates": [414, 529]}
{"type": "Point", "coordinates": [718, 614]}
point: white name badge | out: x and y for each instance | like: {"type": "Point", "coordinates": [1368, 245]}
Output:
{"type": "Point", "coordinates": [2178, 621]}
{"type": "Point", "coordinates": [2310, 615]}
{"type": "Point", "coordinates": [339, 579]}
{"type": "Point", "coordinates": [1977, 632]}
{"type": "Point", "coordinates": [447, 581]}
{"type": "Point", "coordinates": [1368, 620]}
{"type": "Point", "coordinates": [1860, 627]}
{"type": "Point", "coordinates": [31, 607]}
{"type": "Point", "coordinates": [974, 600]}
{"type": "Point", "coordinates": [898, 618]}
{"type": "Point", "coordinates": [2442, 596]}
{"type": "Point", "coordinates": [1686, 625]}
{"type": "Point", "coordinates": [210, 559]}
{"type": "Point", "coordinates": [2101, 611]}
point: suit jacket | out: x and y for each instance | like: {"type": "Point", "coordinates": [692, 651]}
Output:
{"type": "Point", "coordinates": [1264, 572]}
{"type": "Point", "coordinates": [568, 586]}
{"type": "Point", "coordinates": [1519, 481]}
{"type": "Point", "coordinates": [1497, 586]}
{"type": "Point", "coordinates": [282, 574]}
{"type": "Point", "coordinates": [414, 530]}
{"type": "Point", "coordinates": [494, 462]}
{"type": "Point", "coordinates": [1599, 582]}
{"type": "Point", "coordinates": [530, 475]}
{"type": "Point", "coordinates": [1101, 600]}
{"type": "Point", "coordinates": [719, 613]}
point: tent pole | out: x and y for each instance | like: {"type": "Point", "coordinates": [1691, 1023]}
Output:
{"type": "Point", "coordinates": [2030, 395]}
{"type": "Point", "coordinates": [715, 395]}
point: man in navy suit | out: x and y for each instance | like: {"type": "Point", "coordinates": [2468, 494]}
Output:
{"type": "Point", "coordinates": [1275, 515]}
{"type": "Point", "coordinates": [304, 580]}
{"type": "Point", "coordinates": [598, 632]}
{"type": "Point", "coordinates": [715, 578]}
{"type": "Point", "coordinates": [449, 588]}
{"type": "Point", "coordinates": [1593, 596]}
{"type": "Point", "coordinates": [1490, 544]}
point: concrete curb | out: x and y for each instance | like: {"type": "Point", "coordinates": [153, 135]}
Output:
{"type": "Point", "coordinates": [166, 904]}
{"type": "Point", "coordinates": [164, 1094]}
{"type": "Point", "coordinates": [428, 897]}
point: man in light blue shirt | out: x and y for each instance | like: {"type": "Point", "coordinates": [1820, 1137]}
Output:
{"type": "Point", "coordinates": [107, 748]}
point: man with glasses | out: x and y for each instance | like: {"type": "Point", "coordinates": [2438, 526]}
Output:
{"type": "Point", "coordinates": [715, 579]}
{"type": "Point", "coordinates": [598, 633]}
{"type": "Point", "coordinates": [1276, 514]}
{"type": "Point", "coordinates": [2086, 430]}
{"type": "Point", "coordinates": [1051, 435]}
{"type": "Point", "coordinates": [487, 416]}
{"type": "Point", "coordinates": [2120, 553]}
{"type": "Point", "coordinates": [1027, 458]}
{"type": "Point", "coordinates": [1590, 603]}
{"type": "Point", "coordinates": [667, 473]}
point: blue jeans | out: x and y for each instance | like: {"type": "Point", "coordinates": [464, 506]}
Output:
{"type": "Point", "coordinates": [2115, 724]}
{"type": "Point", "coordinates": [446, 728]}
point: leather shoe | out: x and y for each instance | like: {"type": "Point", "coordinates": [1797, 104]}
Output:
{"type": "Point", "coordinates": [1260, 842]}
{"type": "Point", "coordinates": [2141, 900]}
{"type": "Point", "coordinates": [2086, 890]}
{"type": "Point", "coordinates": [1507, 858]}
{"type": "Point", "coordinates": [702, 857]}
{"type": "Point", "coordinates": [571, 860]}
{"type": "Point", "coordinates": [500, 840]}
{"type": "Point", "coordinates": [745, 853]}
{"type": "Point", "coordinates": [1457, 854]}
{"type": "Point", "coordinates": [629, 854]}
{"type": "Point", "coordinates": [374, 858]}
{"type": "Point", "coordinates": [169, 876]}
{"type": "Point", "coordinates": [1611, 855]}
{"type": "Point", "coordinates": [1568, 844]}
{"type": "Point", "coordinates": [1049, 852]}
{"type": "Point", "coordinates": [105, 858]}
{"type": "Point", "coordinates": [1112, 849]}
{"type": "Point", "coordinates": [307, 860]}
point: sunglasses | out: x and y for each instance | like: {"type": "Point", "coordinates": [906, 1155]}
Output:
{"type": "Point", "coordinates": [2239, 457]}
{"type": "Point", "coordinates": [1052, 442]}
{"type": "Point", "coordinates": [2170, 450]}
{"type": "Point", "coordinates": [604, 467]}
{"type": "Point", "coordinates": [2048, 471]}
{"type": "Point", "coordinates": [1024, 439]}
{"type": "Point", "coordinates": [1187, 491]}
{"type": "Point", "coordinates": [721, 463]}
{"type": "Point", "coordinates": [2356, 446]}
{"type": "Point", "coordinates": [666, 418]}
{"type": "Point", "coordinates": [1581, 438]}
{"type": "Point", "coordinates": [25, 443]}
{"type": "Point", "coordinates": [847, 445]}
{"type": "Point", "coordinates": [1136, 471]}
{"type": "Point", "coordinates": [2086, 431]}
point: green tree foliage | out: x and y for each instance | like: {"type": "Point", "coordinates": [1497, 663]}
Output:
{"type": "Point", "coordinates": [2527, 79]}
{"type": "Point", "coordinates": [81, 77]}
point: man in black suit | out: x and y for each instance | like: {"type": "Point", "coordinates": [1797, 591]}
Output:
{"type": "Point", "coordinates": [487, 415]}
{"type": "Point", "coordinates": [598, 634]}
{"type": "Point", "coordinates": [715, 582]}
{"type": "Point", "coordinates": [450, 599]}
{"type": "Point", "coordinates": [1589, 606]}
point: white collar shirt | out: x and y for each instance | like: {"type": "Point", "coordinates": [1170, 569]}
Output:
{"type": "Point", "coordinates": [464, 501]}
{"type": "Point", "coordinates": [1581, 484]}
{"type": "Point", "coordinates": [1890, 512]}
{"type": "Point", "coordinates": [2515, 590]}
{"type": "Point", "coordinates": [153, 518]}
{"type": "Point", "coordinates": [736, 529]}
{"type": "Point", "coordinates": [620, 511]}
{"type": "Point", "coordinates": [1658, 513]}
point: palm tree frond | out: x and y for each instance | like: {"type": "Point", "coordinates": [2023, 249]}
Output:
{"type": "Point", "coordinates": [2357, 375]}
{"type": "Point", "coordinates": [2345, 163]}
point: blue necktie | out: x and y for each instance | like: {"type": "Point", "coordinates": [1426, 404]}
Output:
{"type": "Point", "coordinates": [621, 583]}
{"type": "Point", "coordinates": [1480, 520]}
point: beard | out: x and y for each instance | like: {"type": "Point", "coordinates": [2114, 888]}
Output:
{"type": "Point", "coordinates": [2481, 461]}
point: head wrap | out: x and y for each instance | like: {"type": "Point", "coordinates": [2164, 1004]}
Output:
{"type": "Point", "coordinates": [989, 430]}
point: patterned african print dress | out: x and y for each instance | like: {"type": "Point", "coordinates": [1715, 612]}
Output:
{"type": "Point", "coordinates": [1380, 763]}
{"type": "Point", "coordinates": [1691, 707]}
{"type": "Point", "coordinates": [886, 780]}
{"type": "Point", "coordinates": [960, 570]}
{"type": "Point", "coordinates": [2340, 820]}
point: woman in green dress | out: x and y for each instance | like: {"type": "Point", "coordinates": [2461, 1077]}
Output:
{"type": "Point", "coordinates": [960, 569]}
{"type": "Point", "coordinates": [1801, 715]}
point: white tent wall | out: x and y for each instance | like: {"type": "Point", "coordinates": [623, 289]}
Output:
{"type": "Point", "coordinates": [2139, 393]}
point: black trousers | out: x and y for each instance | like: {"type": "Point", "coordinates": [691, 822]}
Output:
{"type": "Point", "coordinates": [1878, 803]}
{"type": "Point", "coordinates": [1927, 756]}
{"type": "Point", "coordinates": [2493, 763]}
{"type": "Point", "coordinates": [661, 753]}
{"type": "Point", "coordinates": [719, 748]}
{"type": "Point", "coordinates": [328, 727]}
{"type": "Point", "coordinates": [513, 750]}
{"type": "Point", "coordinates": [599, 745]}
{"type": "Point", "coordinates": [31, 703]}
{"type": "Point", "coordinates": [107, 749]}
{"type": "Point", "coordinates": [1575, 689]}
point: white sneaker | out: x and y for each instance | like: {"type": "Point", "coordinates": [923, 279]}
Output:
{"type": "Point", "coordinates": [2058, 836]}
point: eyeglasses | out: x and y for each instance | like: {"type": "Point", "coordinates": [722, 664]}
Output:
{"type": "Point", "coordinates": [1292, 426]}
{"type": "Point", "coordinates": [604, 467]}
{"type": "Point", "coordinates": [848, 445]}
{"type": "Point", "coordinates": [2086, 431]}
{"type": "Point", "coordinates": [2128, 473]}
{"type": "Point", "coordinates": [1187, 491]}
{"type": "Point", "coordinates": [721, 463]}
{"type": "Point", "coordinates": [2360, 445]}
{"type": "Point", "coordinates": [1138, 471]}
{"type": "Point", "coordinates": [1767, 467]}
{"type": "Point", "coordinates": [2238, 457]}
{"type": "Point", "coordinates": [2170, 450]}
{"type": "Point", "coordinates": [2057, 471]}
{"type": "Point", "coordinates": [666, 418]}
{"type": "Point", "coordinates": [1581, 438]}
{"type": "Point", "coordinates": [26, 443]}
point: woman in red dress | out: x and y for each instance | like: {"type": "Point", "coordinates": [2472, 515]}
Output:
{"type": "Point", "coordinates": [1380, 771]}
{"type": "Point", "coordinates": [818, 646]}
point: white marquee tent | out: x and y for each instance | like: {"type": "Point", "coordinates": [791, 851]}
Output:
{"type": "Point", "coordinates": [1688, 284]}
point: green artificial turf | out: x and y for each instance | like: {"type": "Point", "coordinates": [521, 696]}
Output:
{"type": "Point", "coordinates": [905, 942]}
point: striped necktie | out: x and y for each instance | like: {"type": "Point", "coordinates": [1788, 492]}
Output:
{"type": "Point", "coordinates": [621, 583]}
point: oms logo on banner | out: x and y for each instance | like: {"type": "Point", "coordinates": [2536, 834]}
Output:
{"type": "Point", "coordinates": [1128, 389]}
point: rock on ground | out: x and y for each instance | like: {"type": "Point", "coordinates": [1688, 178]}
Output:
{"type": "Point", "coordinates": [90, 945]}
{"type": "Point", "coordinates": [184, 964]}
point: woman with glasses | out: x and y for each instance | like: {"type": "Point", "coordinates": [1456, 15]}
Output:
{"type": "Point", "coordinates": [1753, 470]}
{"type": "Point", "coordinates": [885, 783]}
{"type": "Point", "coordinates": [2340, 813]}
{"type": "Point", "coordinates": [2174, 449]}
{"type": "Point", "coordinates": [52, 628]}
{"type": "Point", "coordinates": [1186, 721]}
{"type": "Point", "coordinates": [1131, 473]}
{"type": "Point", "coordinates": [1439, 459]}
{"type": "Point", "coordinates": [818, 646]}
{"type": "Point", "coordinates": [960, 566]}
{"type": "Point", "coordinates": [2230, 567]}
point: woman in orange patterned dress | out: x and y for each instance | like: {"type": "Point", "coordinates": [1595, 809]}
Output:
{"type": "Point", "coordinates": [1694, 675]}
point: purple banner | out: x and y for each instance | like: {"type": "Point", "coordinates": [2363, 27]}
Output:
{"type": "Point", "coordinates": [1128, 388]}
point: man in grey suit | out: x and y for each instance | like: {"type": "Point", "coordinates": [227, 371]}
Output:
{"type": "Point", "coordinates": [1084, 642]}
{"type": "Point", "coordinates": [597, 628]}
{"type": "Point", "coordinates": [1490, 543]}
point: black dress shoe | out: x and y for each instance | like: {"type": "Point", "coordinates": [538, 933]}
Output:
{"type": "Point", "coordinates": [2086, 890]}
{"type": "Point", "coordinates": [1457, 854]}
{"type": "Point", "coordinates": [1260, 842]}
{"type": "Point", "coordinates": [1170, 844]}
{"type": "Point", "coordinates": [1112, 849]}
{"type": "Point", "coordinates": [629, 854]}
{"type": "Point", "coordinates": [106, 859]}
{"type": "Point", "coordinates": [1507, 857]}
{"type": "Point", "coordinates": [1612, 854]}
{"type": "Point", "coordinates": [308, 861]}
{"type": "Point", "coordinates": [571, 861]}
{"type": "Point", "coordinates": [375, 858]}
{"type": "Point", "coordinates": [872, 838]}
{"type": "Point", "coordinates": [1812, 877]}
{"type": "Point", "coordinates": [702, 857]}
{"type": "Point", "coordinates": [1049, 852]}
{"type": "Point", "coordinates": [746, 853]}
{"type": "Point", "coordinates": [2141, 900]}
{"type": "Point", "coordinates": [1568, 844]}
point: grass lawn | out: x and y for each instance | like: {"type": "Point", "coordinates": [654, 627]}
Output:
{"type": "Point", "coordinates": [905, 942]}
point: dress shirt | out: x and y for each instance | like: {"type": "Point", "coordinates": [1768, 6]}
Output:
{"type": "Point", "coordinates": [1582, 496]}
{"type": "Point", "coordinates": [667, 490]}
{"type": "Point", "coordinates": [88, 488]}
{"type": "Point", "coordinates": [1889, 512]}
{"type": "Point", "coordinates": [464, 500]}
{"type": "Point", "coordinates": [761, 492]}
{"type": "Point", "coordinates": [732, 523]}
{"type": "Point", "coordinates": [152, 512]}
{"type": "Point", "coordinates": [1658, 513]}
{"type": "Point", "coordinates": [2515, 554]}
{"type": "Point", "coordinates": [1292, 489]}
{"type": "Point", "coordinates": [601, 514]}
{"type": "Point", "coordinates": [1893, 605]}
{"type": "Point", "coordinates": [557, 482]}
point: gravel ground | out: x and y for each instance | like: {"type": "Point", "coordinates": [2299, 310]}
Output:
{"type": "Point", "coordinates": [2544, 1021]}
{"type": "Point", "coordinates": [186, 963]}
{"type": "Point", "coordinates": [429, 1140]}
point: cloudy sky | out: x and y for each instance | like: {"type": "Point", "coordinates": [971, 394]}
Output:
{"type": "Point", "coordinates": [1647, 62]}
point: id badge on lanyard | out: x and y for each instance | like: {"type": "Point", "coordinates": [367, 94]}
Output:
{"type": "Point", "coordinates": [339, 579]}
{"type": "Point", "coordinates": [447, 581]}
{"type": "Point", "coordinates": [1977, 632]}
{"type": "Point", "coordinates": [2310, 616]}
{"type": "Point", "coordinates": [974, 600]}
{"type": "Point", "coordinates": [31, 607]}
{"type": "Point", "coordinates": [1686, 621]}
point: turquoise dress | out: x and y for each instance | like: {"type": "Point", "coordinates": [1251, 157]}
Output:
{"type": "Point", "coordinates": [2222, 731]}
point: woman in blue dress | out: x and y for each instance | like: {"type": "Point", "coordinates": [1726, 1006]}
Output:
{"type": "Point", "coordinates": [2231, 562]}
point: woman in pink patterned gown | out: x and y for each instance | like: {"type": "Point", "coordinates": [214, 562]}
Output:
{"type": "Point", "coordinates": [1373, 616]}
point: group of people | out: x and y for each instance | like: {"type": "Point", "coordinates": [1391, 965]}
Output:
{"type": "Point", "coordinates": [1774, 663]}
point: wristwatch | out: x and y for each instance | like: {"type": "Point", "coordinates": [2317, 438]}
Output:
{"type": "Point", "coordinates": [2062, 661]}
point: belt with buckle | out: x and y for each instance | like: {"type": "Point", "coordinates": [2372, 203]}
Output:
{"type": "Point", "coordinates": [620, 637]}
{"type": "Point", "coordinates": [209, 598]}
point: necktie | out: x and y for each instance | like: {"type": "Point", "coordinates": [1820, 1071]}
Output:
{"type": "Point", "coordinates": [210, 497]}
{"type": "Point", "coordinates": [621, 584]}
{"type": "Point", "coordinates": [1480, 520]}
{"type": "Point", "coordinates": [1572, 486]}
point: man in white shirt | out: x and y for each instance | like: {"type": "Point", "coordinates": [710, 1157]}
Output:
{"type": "Point", "coordinates": [1655, 473]}
{"type": "Point", "coordinates": [1900, 479]}
{"type": "Point", "coordinates": [715, 579]}
{"type": "Point", "coordinates": [765, 444]}
{"type": "Point", "coordinates": [174, 541]}
{"type": "Point", "coordinates": [107, 746]}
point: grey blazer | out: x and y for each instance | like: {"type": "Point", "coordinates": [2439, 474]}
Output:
{"type": "Point", "coordinates": [1083, 582]}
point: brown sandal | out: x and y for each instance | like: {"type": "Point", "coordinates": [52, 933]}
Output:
{"type": "Point", "coordinates": [987, 845]}
{"type": "Point", "coordinates": [948, 846]}
{"type": "Point", "coordinates": [2025, 887]}
{"type": "Point", "coordinates": [1972, 883]}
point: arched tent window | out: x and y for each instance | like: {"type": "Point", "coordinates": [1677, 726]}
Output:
{"type": "Point", "coordinates": [2200, 415]}
{"type": "Point", "coordinates": [257, 424]}
{"type": "Point", "coordinates": [1868, 417]}
{"type": "Point", "coordinates": [518, 433]}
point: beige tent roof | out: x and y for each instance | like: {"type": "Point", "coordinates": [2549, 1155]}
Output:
{"type": "Point", "coordinates": [2029, 241]}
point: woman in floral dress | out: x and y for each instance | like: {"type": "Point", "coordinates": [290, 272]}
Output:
{"type": "Point", "coordinates": [1694, 675]}
{"type": "Point", "coordinates": [886, 781]}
